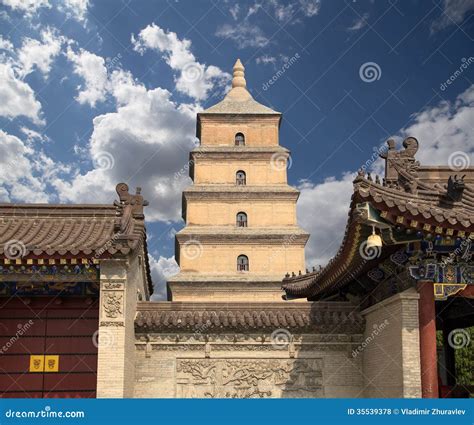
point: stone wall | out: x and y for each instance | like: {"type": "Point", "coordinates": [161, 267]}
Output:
{"type": "Point", "coordinates": [247, 365]}
{"type": "Point", "coordinates": [120, 283]}
{"type": "Point", "coordinates": [391, 349]}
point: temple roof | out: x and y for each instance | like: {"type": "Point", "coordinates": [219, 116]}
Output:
{"type": "Point", "coordinates": [323, 317]}
{"type": "Point", "coordinates": [238, 100]}
{"type": "Point", "coordinates": [410, 201]}
{"type": "Point", "coordinates": [65, 230]}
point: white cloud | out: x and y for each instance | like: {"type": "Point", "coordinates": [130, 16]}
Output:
{"type": "Point", "coordinates": [76, 9]}
{"type": "Point", "coordinates": [322, 211]}
{"type": "Point", "coordinates": [29, 7]}
{"type": "Point", "coordinates": [24, 172]}
{"type": "Point", "coordinates": [283, 12]}
{"type": "Point", "coordinates": [92, 69]}
{"type": "Point", "coordinates": [161, 270]}
{"type": "Point", "coordinates": [310, 7]}
{"type": "Point", "coordinates": [244, 35]}
{"type": "Point", "coordinates": [144, 143]}
{"type": "Point", "coordinates": [444, 129]}
{"type": "Point", "coordinates": [5, 44]}
{"type": "Point", "coordinates": [234, 11]}
{"type": "Point", "coordinates": [359, 23]}
{"type": "Point", "coordinates": [17, 97]}
{"type": "Point", "coordinates": [195, 79]}
{"type": "Point", "coordinates": [265, 60]}
{"type": "Point", "coordinates": [32, 135]}
{"type": "Point", "coordinates": [453, 13]}
{"type": "Point", "coordinates": [40, 54]}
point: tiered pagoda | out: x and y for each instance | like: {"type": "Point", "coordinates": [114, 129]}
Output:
{"type": "Point", "coordinates": [241, 234]}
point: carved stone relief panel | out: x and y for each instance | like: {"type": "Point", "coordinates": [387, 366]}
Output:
{"type": "Point", "coordinates": [249, 378]}
{"type": "Point", "coordinates": [113, 304]}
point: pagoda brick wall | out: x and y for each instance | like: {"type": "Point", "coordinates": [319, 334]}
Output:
{"type": "Point", "coordinates": [259, 131]}
{"type": "Point", "coordinates": [259, 172]}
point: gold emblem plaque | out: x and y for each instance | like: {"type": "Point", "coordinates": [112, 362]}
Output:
{"type": "Point", "coordinates": [51, 364]}
{"type": "Point", "coordinates": [41, 363]}
{"type": "Point", "coordinates": [36, 363]}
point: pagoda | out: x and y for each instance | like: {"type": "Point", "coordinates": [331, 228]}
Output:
{"type": "Point", "coordinates": [241, 234]}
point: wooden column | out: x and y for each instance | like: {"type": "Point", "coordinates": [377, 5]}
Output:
{"type": "Point", "coordinates": [428, 356]}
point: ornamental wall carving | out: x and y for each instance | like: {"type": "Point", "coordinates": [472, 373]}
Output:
{"type": "Point", "coordinates": [232, 339]}
{"type": "Point", "coordinates": [249, 378]}
{"type": "Point", "coordinates": [112, 305]}
{"type": "Point", "coordinates": [113, 285]}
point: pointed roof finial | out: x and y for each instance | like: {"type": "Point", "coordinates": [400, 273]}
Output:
{"type": "Point", "coordinates": [239, 75]}
{"type": "Point", "coordinates": [238, 100]}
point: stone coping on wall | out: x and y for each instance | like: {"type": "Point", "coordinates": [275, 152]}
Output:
{"type": "Point", "coordinates": [409, 294]}
{"type": "Point", "coordinates": [321, 317]}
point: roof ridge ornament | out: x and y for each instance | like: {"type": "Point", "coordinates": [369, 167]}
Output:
{"type": "Point", "coordinates": [128, 206]}
{"type": "Point", "coordinates": [401, 167]}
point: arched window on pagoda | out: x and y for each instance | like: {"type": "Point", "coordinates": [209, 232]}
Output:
{"type": "Point", "coordinates": [242, 263]}
{"type": "Point", "coordinates": [241, 219]}
{"type": "Point", "coordinates": [239, 139]}
{"type": "Point", "coordinates": [240, 178]}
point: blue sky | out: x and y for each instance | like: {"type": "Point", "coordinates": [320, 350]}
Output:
{"type": "Point", "coordinates": [98, 92]}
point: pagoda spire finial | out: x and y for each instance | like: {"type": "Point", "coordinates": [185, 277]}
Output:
{"type": "Point", "coordinates": [238, 79]}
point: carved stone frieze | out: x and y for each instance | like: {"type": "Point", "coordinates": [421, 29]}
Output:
{"type": "Point", "coordinates": [112, 323]}
{"type": "Point", "coordinates": [249, 378]}
{"type": "Point", "coordinates": [235, 339]}
{"type": "Point", "coordinates": [112, 285]}
{"type": "Point", "coordinates": [112, 305]}
{"type": "Point", "coordinates": [178, 347]}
